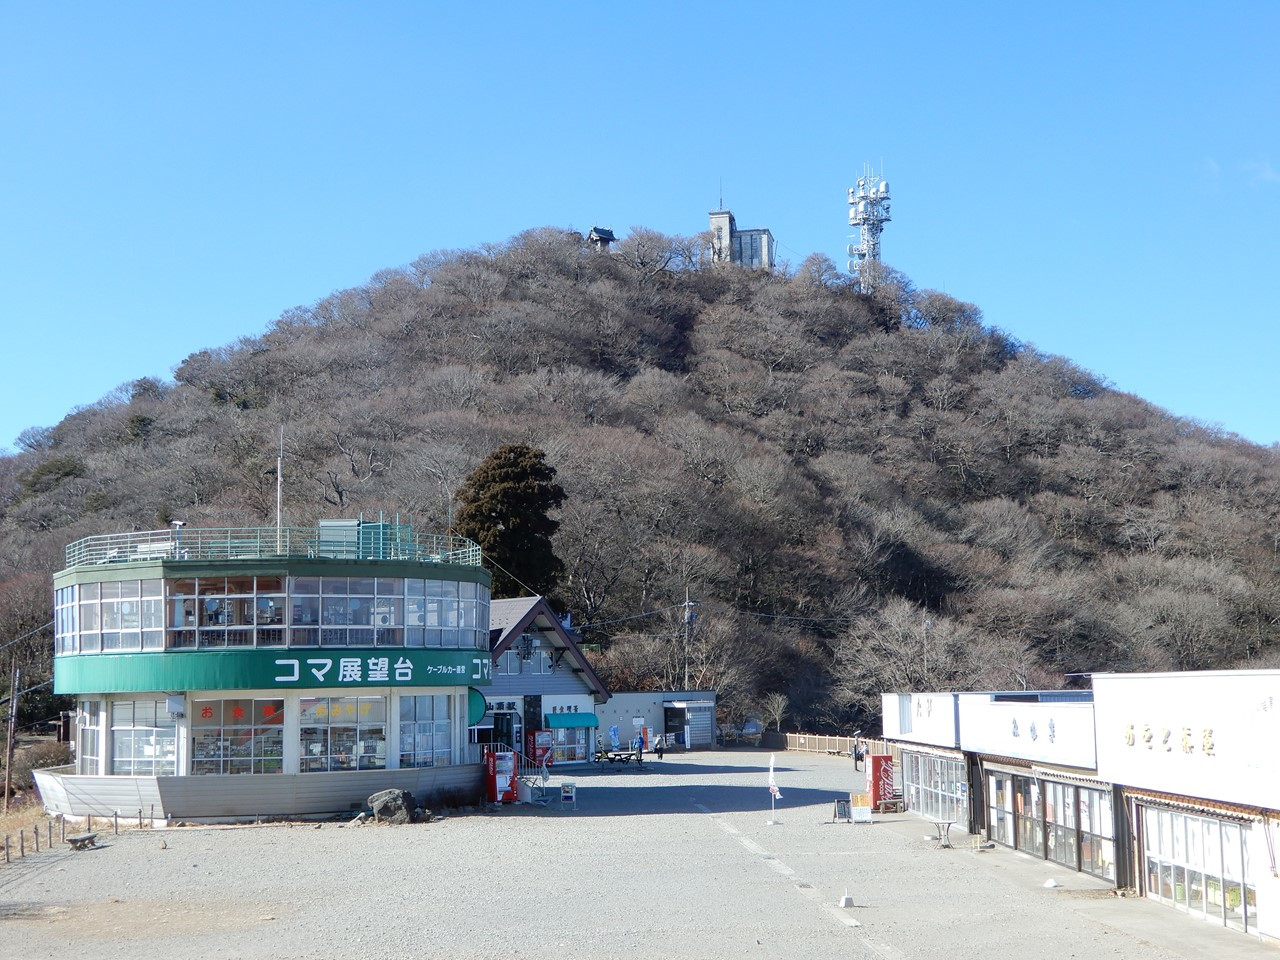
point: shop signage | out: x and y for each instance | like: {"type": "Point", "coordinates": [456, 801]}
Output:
{"type": "Point", "coordinates": [1208, 735]}
{"type": "Point", "coordinates": [269, 670]}
{"type": "Point", "coordinates": [1055, 732]}
{"type": "Point", "coordinates": [929, 718]}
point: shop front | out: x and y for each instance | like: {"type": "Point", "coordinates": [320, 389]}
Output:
{"type": "Point", "coordinates": [935, 785]}
{"type": "Point", "coordinates": [1068, 821]}
{"type": "Point", "coordinates": [240, 673]}
{"type": "Point", "coordinates": [1199, 862]}
{"type": "Point", "coordinates": [1042, 796]}
{"type": "Point", "coordinates": [1194, 753]}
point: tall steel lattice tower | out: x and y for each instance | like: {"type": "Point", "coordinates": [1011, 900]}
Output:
{"type": "Point", "coordinates": [869, 212]}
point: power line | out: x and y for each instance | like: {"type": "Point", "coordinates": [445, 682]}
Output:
{"type": "Point", "coordinates": [637, 616]}
{"type": "Point", "coordinates": [30, 633]}
{"type": "Point", "coordinates": [4, 700]}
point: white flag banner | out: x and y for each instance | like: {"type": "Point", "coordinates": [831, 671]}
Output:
{"type": "Point", "coordinates": [773, 784]}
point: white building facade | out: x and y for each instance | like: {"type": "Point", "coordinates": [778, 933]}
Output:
{"type": "Point", "coordinates": [1164, 783]}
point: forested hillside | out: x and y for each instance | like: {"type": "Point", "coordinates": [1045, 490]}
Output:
{"type": "Point", "coordinates": [863, 493]}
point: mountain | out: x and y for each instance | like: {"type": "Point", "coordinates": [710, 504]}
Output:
{"type": "Point", "coordinates": [858, 492]}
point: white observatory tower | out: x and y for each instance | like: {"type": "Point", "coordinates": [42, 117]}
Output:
{"type": "Point", "coordinates": [869, 212]}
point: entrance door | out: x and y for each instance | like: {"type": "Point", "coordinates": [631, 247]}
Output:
{"type": "Point", "coordinates": [504, 730]}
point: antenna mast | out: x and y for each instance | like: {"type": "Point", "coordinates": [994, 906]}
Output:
{"type": "Point", "coordinates": [869, 212]}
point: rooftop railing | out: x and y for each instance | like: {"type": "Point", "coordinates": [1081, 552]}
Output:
{"type": "Point", "coordinates": [363, 542]}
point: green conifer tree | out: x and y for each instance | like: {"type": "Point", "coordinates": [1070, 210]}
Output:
{"type": "Point", "coordinates": [503, 507]}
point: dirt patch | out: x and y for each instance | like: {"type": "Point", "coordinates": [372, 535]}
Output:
{"type": "Point", "coordinates": [124, 920]}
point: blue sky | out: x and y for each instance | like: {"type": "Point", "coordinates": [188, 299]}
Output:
{"type": "Point", "coordinates": [1102, 180]}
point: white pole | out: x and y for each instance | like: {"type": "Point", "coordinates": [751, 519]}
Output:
{"type": "Point", "coordinates": [280, 492]}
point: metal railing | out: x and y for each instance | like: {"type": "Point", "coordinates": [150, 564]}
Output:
{"type": "Point", "coordinates": [266, 542]}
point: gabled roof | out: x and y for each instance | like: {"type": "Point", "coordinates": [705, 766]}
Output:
{"type": "Point", "coordinates": [601, 233]}
{"type": "Point", "coordinates": [510, 618]}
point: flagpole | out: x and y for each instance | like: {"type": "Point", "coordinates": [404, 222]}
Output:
{"type": "Point", "coordinates": [773, 793]}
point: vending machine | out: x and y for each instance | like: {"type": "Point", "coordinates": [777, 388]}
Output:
{"type": "Point", "coordinates": [500, 776]}
{"type": "Point", "coordinates": [537, 745]}
{"type": "Point", "coordinates": [879, 769]}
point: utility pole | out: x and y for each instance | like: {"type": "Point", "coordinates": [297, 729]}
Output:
{"type": "Point", "coordinates": [689, 616]}
{"type": "Point", "coordinates": [8, 750]}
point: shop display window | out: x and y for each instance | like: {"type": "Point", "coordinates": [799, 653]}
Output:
{"type": "Point", "coordinates": [342, 733]}
{"type": "Point", "coordinates": [1200, 865]}
{"type": "Point", "coordinates": [237, 736]}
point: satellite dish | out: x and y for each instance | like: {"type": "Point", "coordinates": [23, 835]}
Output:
{"type": "Point", "coordinates": [851, 250]}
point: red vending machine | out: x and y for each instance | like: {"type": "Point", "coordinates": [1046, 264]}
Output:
{"type": "Point", "coordinates": [879, 769]}
{"type": "Point", "coordinates": [500, 776]}
{"type": "Point", "coordinates": [537, 745]}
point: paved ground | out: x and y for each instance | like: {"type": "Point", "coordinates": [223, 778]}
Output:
{"type": "Point", "coordinates": [678, 859]}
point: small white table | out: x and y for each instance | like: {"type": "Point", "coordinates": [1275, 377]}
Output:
{"type": "Point", "coordinates": [942, 839]}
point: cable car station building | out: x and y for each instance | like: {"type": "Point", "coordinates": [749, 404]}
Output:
{"type": "Point", "coordinates": [269, 671]}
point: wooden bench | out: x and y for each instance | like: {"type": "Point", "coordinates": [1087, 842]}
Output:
{"type": "Point", "coordinates": [83, 841]}
{"type": "Point", "coordinates": [893, 805]}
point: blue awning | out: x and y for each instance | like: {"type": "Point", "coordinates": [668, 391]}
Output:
{"type": "Point", "coordinates": [563, 721]}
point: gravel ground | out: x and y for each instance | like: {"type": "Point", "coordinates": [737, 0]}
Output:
{"type": "Point", "coordinates": [678, 859]}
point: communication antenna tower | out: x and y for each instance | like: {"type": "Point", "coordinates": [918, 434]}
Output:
{"type": "Point", "coordinates": [869, 212]}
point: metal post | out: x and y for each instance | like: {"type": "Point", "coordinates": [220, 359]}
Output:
{"type": "Point", "coordinates": [35, 835]}
{"type": "Point", "coordinates": [117, 823]}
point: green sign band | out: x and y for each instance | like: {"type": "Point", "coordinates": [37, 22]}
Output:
{"type": "Point", "coordinates": [269, 670]}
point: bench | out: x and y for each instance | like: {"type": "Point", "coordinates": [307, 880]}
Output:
{"type": "Point", "coordinates": [153, 551]}
{"type": "Point", "coordinates": [892, 805]}
{"type": "Point", "coordinates": [83, 841]}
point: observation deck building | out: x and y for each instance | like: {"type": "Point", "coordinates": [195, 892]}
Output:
{"type": "Point", "coordinates": [232, 673]}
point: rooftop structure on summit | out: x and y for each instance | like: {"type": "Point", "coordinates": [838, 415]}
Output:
{"type": "Point", "coordinates": [750, 248]}
{"type": "Point", "coordinates": [600, 238]}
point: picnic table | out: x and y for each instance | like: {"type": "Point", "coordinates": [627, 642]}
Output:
{"type": "Point", "coordinates": [619, 755]}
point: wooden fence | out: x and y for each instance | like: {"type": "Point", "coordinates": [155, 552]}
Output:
{"type": "Point", "coordinates": [838, 745]}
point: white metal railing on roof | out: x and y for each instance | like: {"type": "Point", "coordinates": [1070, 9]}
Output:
{"type": "Point", "coordinates": [372, 541]}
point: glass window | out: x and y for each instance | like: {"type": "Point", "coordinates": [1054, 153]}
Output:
{"type": "Point", "coordinates": [237, 736]}
{"type": "Point", "coordinates": [89, 750]}
{"type": "Point", "coordinates": [343, 733]}
{"type": "Point", "coordinates": [144, 739]}
{"type": "Point", "coordinates": [425, 731]}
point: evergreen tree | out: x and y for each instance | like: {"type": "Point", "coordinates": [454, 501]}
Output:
{"type": "Point", "coordinates": [503, 507]}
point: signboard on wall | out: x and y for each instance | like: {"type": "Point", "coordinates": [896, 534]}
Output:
{"type": "Point", "coordinates": [928, 718]}
{"type": "Point", "coordinates": [1210, 735]}
{"type": "Point", "coordinates": [280, 669]}
{"type": "Point", "coordinates": [1045, 732]}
